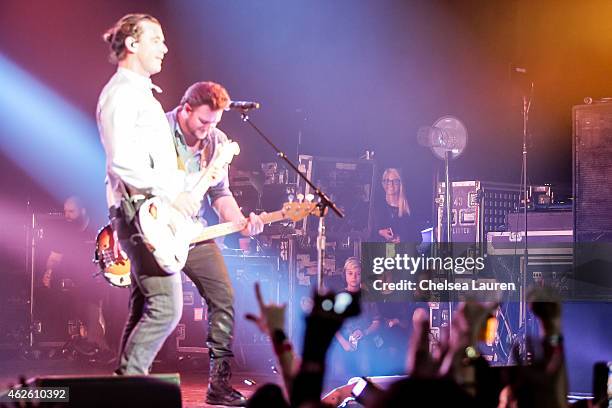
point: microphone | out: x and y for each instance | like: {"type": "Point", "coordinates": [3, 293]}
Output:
{"type": "Point", "coordinates": [243, 105]}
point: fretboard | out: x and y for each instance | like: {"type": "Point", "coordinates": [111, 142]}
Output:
{"type": "Point", "coordinates": [226, 228]}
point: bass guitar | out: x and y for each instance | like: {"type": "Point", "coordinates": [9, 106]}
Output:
{"type": "Point", "coordinates": [166, 232]}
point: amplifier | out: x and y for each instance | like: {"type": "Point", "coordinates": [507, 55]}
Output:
{"type": "Point", "coordinates": [550, 260]}
{"type": "Point", "coordinates": [592, 148]}
{"type": "Point", "coordinates": [246, 195]}
{"type": "Point", "coordinates": [191, 331]}
{"type": "Point", "coordinates": [541, 221]}
{"type": "Point", "coordinates": [548, 265]}
{"type": "Point", "coordinates": [253, 349]}
{"type": "Point", "coordinates": [245, 270]}
{"type": "Point", "coordinates": [478, 207]}
{"type": "Point", "coordinates": [592, 143]}
{"type": "Point", "coordinates": [99, 391]}
{"type": "Point", "coordinates": [592, 131]}
{"type": "Point", "coordinates": [544, 242]}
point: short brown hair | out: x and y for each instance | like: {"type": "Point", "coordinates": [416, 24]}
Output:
{"type": "Point", "coordinates": [128, 25]}
{"type": "Point", "coordinates": [206, 93]}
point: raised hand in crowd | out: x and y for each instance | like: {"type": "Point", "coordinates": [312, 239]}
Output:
{"type": "Point", "coordinates": [421, 363]}
{"type": "Point", "coordinates": [544, 382]}
{"type": "Point", "coordinates": [271, 315]}
{"type": "Point", "coordinates": [455, 365]}
{"type": "Point", "coordinates": [469, 326]}
{"type": "Point", "coordinates": [328, 314]}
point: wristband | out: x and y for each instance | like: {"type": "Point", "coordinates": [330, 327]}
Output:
{"type": "Point", "coordinates": [278, 336]}
{"type": "Point", "coordinates": [283, 348]}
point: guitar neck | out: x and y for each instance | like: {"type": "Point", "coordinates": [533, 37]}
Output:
{"type": "Point", "coordinates": [226, 228]}
{"type": "Point", "coordinates": [223, 155]}
{"type": "Point", "coordinates": [202, 185]}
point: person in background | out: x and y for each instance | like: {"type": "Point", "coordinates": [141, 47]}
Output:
{"type": "Point", "coordinates": [69, 268]}
{"type": "Point", "coordinates": [196, 140]}
{"type": "Point", "coordinates": [358, 340]}
{"type": "Point", "coordinates": [393, 219]}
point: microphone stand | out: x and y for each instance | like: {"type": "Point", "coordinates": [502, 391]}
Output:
{"type": "Point", "coordinates": [448, 197]}
{"type": "Point", "coordinates": [525, 262]}
{"type": "Point", "coordinates": [30, 268]}
{"type": "Point", "coordinates": [323, 205]}
{"type": "Point", "coordinates": [447, 216]}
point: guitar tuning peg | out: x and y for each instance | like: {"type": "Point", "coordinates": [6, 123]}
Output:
{"type": "Point", "coordinates": [300, 197]}
{"type": "Point", "coordinates": [291, 197]}
{"type": "Point", "coordinates": [309, 197]}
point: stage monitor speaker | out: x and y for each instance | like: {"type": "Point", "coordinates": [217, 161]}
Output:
{"type": "Point", "coordinates": [159, 390]}
{"type": "Point", "coordinates": [251, 348]}
{"type": "Point", "coordinates": [592, 167]}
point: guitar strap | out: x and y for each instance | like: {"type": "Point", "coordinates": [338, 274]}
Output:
{"type": "Point", "coordinates": [131, 203]}
{"type": "Point", "coordinates": [128, 204]}
{"type": "Point", "coordinates": [179, 161]}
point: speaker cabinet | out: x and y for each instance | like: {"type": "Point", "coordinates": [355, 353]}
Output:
{"type": "Point", "coordinates": [592, 128]}
{"type": "Point", "coordinates": [155, 391]}
{"type": "Point", "coordinates": [592, 169]}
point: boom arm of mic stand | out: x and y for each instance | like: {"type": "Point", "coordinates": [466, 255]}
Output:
{"type": "Point", "coordinates": [324, 201]}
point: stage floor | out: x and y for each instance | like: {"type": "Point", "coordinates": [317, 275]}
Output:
{"type": "Point", "coordinates": [194, 375]}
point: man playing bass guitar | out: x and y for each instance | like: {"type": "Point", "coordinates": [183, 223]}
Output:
{"type": "Point", "coordinates": [196, 137]}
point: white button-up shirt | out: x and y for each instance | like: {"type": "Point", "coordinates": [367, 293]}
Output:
{"type": "Point", "coordinates": [137, 140]}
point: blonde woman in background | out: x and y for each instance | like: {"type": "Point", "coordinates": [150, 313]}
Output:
{"type": "Point", "coordinates": [393, 221]}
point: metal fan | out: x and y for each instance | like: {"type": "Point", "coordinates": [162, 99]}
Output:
{"type": "Point", "coordinates": [448, 134]}
{"type": "Point", "coordinates": [447, 139]}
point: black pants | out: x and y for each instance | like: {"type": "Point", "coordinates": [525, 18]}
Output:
{"type": "Point", "coordinates": [206, 268]}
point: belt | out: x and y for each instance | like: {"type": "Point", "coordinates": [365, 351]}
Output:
{"type": "Point", "coordinates": [116, 212]}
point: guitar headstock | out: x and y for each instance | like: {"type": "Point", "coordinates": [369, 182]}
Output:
{"type": "Point", "coordinates": [295, 211]}
{"type": "Point", "coordinates": [224, 153]}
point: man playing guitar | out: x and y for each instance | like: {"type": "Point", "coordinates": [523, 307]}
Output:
{"type": "Point", "coordinates": [196, 137]}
